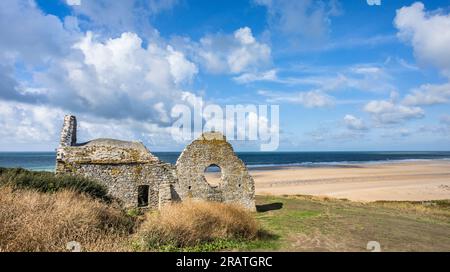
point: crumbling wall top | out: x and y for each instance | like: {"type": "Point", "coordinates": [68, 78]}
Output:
{"type": "Point", "coordinates": [210, 136]}
{"type": "Point", "coordinates": [108, 151]}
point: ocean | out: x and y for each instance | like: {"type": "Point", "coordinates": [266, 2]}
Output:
{"type": "Point", "coordinates": [45, 161]}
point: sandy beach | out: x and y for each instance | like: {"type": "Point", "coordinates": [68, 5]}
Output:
{"type": "Point", "coordinates": [412, 181]}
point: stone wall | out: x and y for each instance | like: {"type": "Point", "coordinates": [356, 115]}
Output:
{"type": "Point", "coordinates": [236, 184]}
{"type": "Point", "coordinates": [123, 167]}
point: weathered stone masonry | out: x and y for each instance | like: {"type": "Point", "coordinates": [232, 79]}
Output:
{"type": "Point", "coordinates": [139, 179]}
{"type": "Point", "coordinates": [236, 185]}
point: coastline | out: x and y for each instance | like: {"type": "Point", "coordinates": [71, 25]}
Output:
{"type": "Point", "coordinates": [273, 167]}
{"type": "Point", "coordinates": [390, 181]}
{"type": "Point", "coordinates": [393, 180]}
{"type": "Point", "coordinates": [346, 164]}
{"type": "Point", "coordinates": [399, 181]}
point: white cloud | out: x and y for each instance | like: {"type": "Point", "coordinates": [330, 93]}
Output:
{"type": "Point", "coordinates": [73, 2]}
{"type": "Point", "coordinates": [368, 70]}
{"type": "Point", "coordinates": [270, 75]}
{"type": "Point", "coordinates": [368, 78]}
{"type": "Point", "coordinates": [389, 112]}
{"type": "Point", "coordinates": [428, 94]}
{"type": "Point", "coordinates": [363, 77]}
{"type": "Point", "coordinates": [118, 78]}
{"type": "Point", "coordinates": [354, 123]}
{"type": "Point", "coordinates": [244, 36]}
{"type": "Point", "coordinates": [182, 70]}
{"type": "Point", "coordinates": [115, 82]}
{"type": "Point", "coordinates": [31, 40]}
{"type": "Point", "coordinates": [29, 35]}
{"type": "Point", "coordinates": [157, 6]}
{"type": "Point", "coordinates": [354, 42]}
{"type": "Point", "coordinates": [250, 53]}
{"type": "Point", "coordinates": [115, 17]}
{"type": "Point", "coordinates": [24, 123]}
{"type": "Point", "coordinates": [265, 127]}
{"type": "Point", "coordinates": [224, 53]}
{"type": "Point", "coordinates": [310, 99]}
{"type": "Point", "coordinates": [408, 66]}
{"type": "Point", "coordinates": [428, 33]}
{"type": "Point", "coordinates": [37, 127]}
{"type": "Point", "coordinates": [118, 85]}
{"type": "Point", "coordinates": [305, 19]}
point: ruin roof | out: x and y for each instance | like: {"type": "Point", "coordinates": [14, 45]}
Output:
{"type": "Point", "coordinates": [114, 143]}
{"type": "Point", "coordinates": [109, 151]}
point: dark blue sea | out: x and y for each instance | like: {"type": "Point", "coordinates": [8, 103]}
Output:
{"type": "Point", "coordinates": [45, 161]}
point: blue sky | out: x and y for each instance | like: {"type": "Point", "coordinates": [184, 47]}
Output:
{"type": "Point", "coordinates": [347, 75]}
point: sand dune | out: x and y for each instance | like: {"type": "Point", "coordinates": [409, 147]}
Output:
{"type": "Point", "coordinates": [414, 181]}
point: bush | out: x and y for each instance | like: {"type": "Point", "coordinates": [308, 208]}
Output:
{"type": "Point", "coordinates": [195, 224]}
{"type": "Point", "coordinates": [33, 221]}
{"type": "Point", "coordinates": [48, 182]}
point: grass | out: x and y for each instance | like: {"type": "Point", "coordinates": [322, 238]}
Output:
{"type": "Point", "coordinates": [40, 211]}
{"type": "Point", "coordinates": [47, 182]}
{"type": "Point", "coordinates": [198, 226]}
{"type": "Point", "coordinates": [306, 223]}
{"type": "Point", "coordinates": [33, 221]}
{"type": "Point", "coordinates": [43, 212]}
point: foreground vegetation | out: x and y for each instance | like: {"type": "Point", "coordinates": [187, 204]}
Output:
{"type": "Point", "coordinates": [42, 212]}
{"type": "Point", "coordinates": [47, 182]}
{"type": "Point", "coordinates": [305, 223]}
{"type": "Point", "coordinates": [34, 221]}
{"type": "Point", "coordinates": [198, 226]}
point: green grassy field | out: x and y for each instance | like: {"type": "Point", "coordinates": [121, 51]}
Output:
{"type": "Point", "coordinates": [302, 223]}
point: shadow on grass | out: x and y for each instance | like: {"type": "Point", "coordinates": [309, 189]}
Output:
{"type": "Point", "coordinates": [269, 207]}
{"type": "Point", "coordinates": [264, 241]}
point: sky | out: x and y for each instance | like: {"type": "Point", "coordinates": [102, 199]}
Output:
{"type": "Point", "coordinates": [347, 76]}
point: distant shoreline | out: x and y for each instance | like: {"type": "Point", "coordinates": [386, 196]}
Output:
{"type": "Point", "coordinates": [399, 181]}
{"type": "Point", "coordinates": [45, 161]}
{"type": "Point", "coordinates": [271, 167]}
{"type": "Point", "coordinates": [354, 164]}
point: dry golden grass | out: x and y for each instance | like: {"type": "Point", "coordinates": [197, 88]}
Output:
{"type": "Point", "coordinates": [33, 221]}
{"type": "Point", "coordinates": [191, 223]}
{"type": "Point", "coordinates": [438, 208]}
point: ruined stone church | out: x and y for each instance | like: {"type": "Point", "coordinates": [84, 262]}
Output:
{"type": "Point", "coordinates": [137, 178]}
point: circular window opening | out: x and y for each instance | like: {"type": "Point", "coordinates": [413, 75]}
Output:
{"type": "Point", "coordinates": [213, 175]}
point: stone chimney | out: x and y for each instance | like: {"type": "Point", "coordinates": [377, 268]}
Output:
{"type": "Point", "coordinates": [69, 131]}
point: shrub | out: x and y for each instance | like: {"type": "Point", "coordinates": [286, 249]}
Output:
{"type": "Point", "coordinates": [48, 182]}
{"type": "Point", "coordinates": [33, 221]}
{"type": "Point", "coordinates": [193, 224]}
